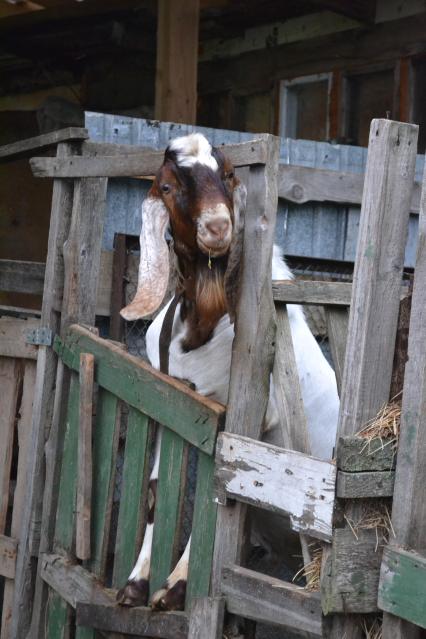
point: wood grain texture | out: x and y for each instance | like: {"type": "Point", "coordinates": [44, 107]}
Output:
{"type": "Point", "coordinates": [24, 147]}
{"type": "Point", "coordinates": [252, 358]}
{"type": "Point", "coordinates": [133, 621]}
{"type": "Point", "coordinates": [13, 332]}
{"type": "Point", "coordinates": [8, 548]}
{"type": "Point", "coordinates": [84, 470]}
{"type": "Point", "coordinates": [206, 617]}
{"type": "Point", "coordinates": [256, 596]}
{"type": "Point", "coordinates": [402, 590]}
{"type": "Point", "coordinates": [337, 330]}
{"type": "Point", "coordinates": [181, 409]}
{"type": "Point", "coordinates": [366, 484]}
{"type": "Point", "coordinates": [22, 276]}
{"type": "Point", "coordinates": [310, 292]}
{"type": "Point", "coordinates": [282, 481]}
{"type": "Point", "coordinates": [409, 510]}
{"type": "Point", "coordinates": [355, 454]}
{"type": "Point", "coordinates": [300, 184]}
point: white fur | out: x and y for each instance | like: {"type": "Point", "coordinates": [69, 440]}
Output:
{"type": "Point", "coordinates": [192, 149]}
{"type": "Point", "coordinates": [208, 367]}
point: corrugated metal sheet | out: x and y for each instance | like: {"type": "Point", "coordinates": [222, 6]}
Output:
{"type": "Point", "coordinates": [309, 230]}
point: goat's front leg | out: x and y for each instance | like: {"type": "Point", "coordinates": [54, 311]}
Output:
{"type": "Point", "coordinates": [172, 595]}
{"type": "Point", "coordinates": [136, 590]}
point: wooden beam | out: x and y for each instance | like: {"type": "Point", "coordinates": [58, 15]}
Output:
{"type": "Point", "coordinates": [278, 480]}
{"type": "Point", "coordinates": [256, 596]}
{"type": "Point", "coordinates": [8, 549]}
{"type": "Point", "coordinates": [24, 147]}
{"type": "Point", "coordinates": [177, 58]}
{"type": "Point", "coordinates": [364, 10]}
{"type": "Point", "coordinates": [84, 471]}
{"type": "Point", "coordinates": [355, 455]}
{"type": "Point", "coordinates": [366, 484]}
{"type": "Point", "coordinates": [13, 333]}
{"type": "Point", "coordinates": [312, 292]}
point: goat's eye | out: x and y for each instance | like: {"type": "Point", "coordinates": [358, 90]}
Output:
{"type": "Point", "coordinates": [166, 188]}
{"type": "Point", "coordinates": [229, 176]}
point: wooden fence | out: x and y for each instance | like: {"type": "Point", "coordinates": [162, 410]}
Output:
{"type": "Point", "coordinates": [79, 479]}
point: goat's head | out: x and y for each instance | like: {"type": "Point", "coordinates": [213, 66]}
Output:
{"type": "Point", "coordinates": [197, 195]}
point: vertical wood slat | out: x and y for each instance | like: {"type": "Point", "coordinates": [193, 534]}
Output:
{"type": "Point", "coordinates": [43, 397]}
{"type": "Point", "coordinates": [24, 438]}
{"type": "Point", "coordinates": [203, 531]}
{"type": "Point", "coordinates": [252, 357]}
{"type": "Point", "coordinates": [372, 324]}
{"type": "Point", "coordinates": [337, 330]}
{"type": "Point", "coordinates": [133, 496]}
{"type": "Point", "coordinates": [168, 500]}
{"type": "Point", "coordinates": [58, 613]}
{"type": "Point", "coordinates": [84, 480]}
{"type": "Point", "coordinates": [10, 378]}
{"type": "Point", "coordinates": [409, 512]}
{"type": "Point", "coordinates": [81, 260]}
{"type": "Point", "coordinates": [105, 444]}
{"type": "Point", "coordinates": [206, 618]}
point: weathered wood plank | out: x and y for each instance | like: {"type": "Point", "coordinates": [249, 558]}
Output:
{"type": "Point", "coordinates": [13, 332]}
{"type": "Point", "coordinates": [203, 531]}
{"type": "Point", "coordinates": [24, 440]}
{"type": "Point", "coordinates": [171, 482]}
{"type": "Point", "coordinates": [145, 163]}
{"type": "Point", "coordinates": [132, 502]}
{"type": "Point", "coordinates": [133, 621]}
{"type": "Point", "coordinates": [206, 618]}
{"type": "Point", "coordinates": [283, 481]}
{"type": "Point", "coordinates": [310, 292]}
{"type": "Point", "coordinates": [256, 596]}
{"type": "Point", "coordinates": [300, 184]}
{"type": "Point", "coordinates": [355, 454]}
{"type": "Point", "coordinates": [337, 330]}
{"type": "Point", "coordinates": [23, 147]}
{"type": "Point", "coordinates": [22, 276]}
{"type": "Point", "coordinates": [371, 336]}
{"type": "Point", "coordinates": [10, 380]}
{"type": "Point", "coordinates": [8, 548]}
{"type": "Point", "coordinates": [402, 590]}
{"type": "Point", "coordinates": [72, 582]}
{"type": "Point", "coordinates": [252, 358]}
{"type": "Point", "coordinates": [84, 470]}
{"type": "Point", "coordinates": [408, 512]}
{"type": "Point", "coordinates": [181, 409]}
{"type": "Point", "coordinates": [366, 484]}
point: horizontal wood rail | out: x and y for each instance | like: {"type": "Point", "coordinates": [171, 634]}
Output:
{"type": "Point", "coordinates": [142, 622]}
{"type": "Point", "coordinates": [312, 292]}
{"type": "Point", "coordinates": [355, 454]}
{"type": "Point", "coordinates": [23, 147]}
{"type": "Point", "coordinates": [145, 162]}
{"type": "Point", "coordinates": [402, 587]}
{"type": "Point", "coordinates": [300, 184]}
{"type": "Point", "coordinates": [365, 484]}
{"type": "Point", "coordinates": [13, 332]}
{"type": "Point", "coordinates": [282, 481]}
{"type": "Point", "coordinates": [256, 596]}
{"type": "Point", "coordinates": [167, 400]}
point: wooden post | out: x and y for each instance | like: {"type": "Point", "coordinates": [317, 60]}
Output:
{"type": "Point", "coordinates": [371, 335]}
{"type": "Point", "coordinates": [252, 356]}
{"type": "Point", "coordinates": [409, 513]}
{"type": "Point", "coordinates": [177, 59]}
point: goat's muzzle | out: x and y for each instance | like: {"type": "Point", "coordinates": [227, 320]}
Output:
{"type": "Point", "coordinates": [214, 230]}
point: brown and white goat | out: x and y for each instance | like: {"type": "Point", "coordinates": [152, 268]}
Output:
{"type": "Point", "coordinates": [198, 197]}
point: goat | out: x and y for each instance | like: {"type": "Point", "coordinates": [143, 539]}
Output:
{"type": "Point", "coordinates": [198, 196]}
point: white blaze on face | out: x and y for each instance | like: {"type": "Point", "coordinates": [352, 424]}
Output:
{"type": "Point", "coordinates": [192, 149]}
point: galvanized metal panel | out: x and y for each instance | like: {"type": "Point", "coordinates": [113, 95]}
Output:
{"type": "Point", "coordinates": [310, 230]}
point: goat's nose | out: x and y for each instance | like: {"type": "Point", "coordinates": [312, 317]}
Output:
{"type": "Point", "coordinates": [218, 228]}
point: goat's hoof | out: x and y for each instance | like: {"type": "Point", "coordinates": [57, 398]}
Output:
{"type": "Point", "coordinates": [172, 598]}
{"type": "Point", "coordinates": [134, 593]}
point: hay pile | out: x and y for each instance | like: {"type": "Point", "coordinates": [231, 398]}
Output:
{"type": "Point", "coordinates": [385, 426]}
{"type": "Point", "coordinates": [312, 570]}
{"type": "Point", "coordinates": [373, 630]}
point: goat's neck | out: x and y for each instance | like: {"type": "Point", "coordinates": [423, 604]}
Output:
{"type": "Point", "coordinates": [204, 301]}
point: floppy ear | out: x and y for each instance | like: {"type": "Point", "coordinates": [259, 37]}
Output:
{"type": "Point", "coordinates": [232, 275]}
{"type": "Point", "coordinates": [153, 273]}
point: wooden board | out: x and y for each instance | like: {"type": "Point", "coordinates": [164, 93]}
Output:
{"type": "Point", "coordinates": [282, 481]}
{"type": "Point", "coordinates": [145, 163]}
{"type": "Point", "coordinates": [84, 479]}
{"type": "Point", "coordinates": [174, 405]}
{"type": "Point", "coordinates": [355, 454]}
{"type": "Point", "coordinates": [22, 276]}
{"type": "Point", "coordinates": [13, 333]}
{"type": "Point", "coordinates": [10, 379]}
{"type": "Point", "coordinates": [8, 548]}
{"type": "Point", "coordinates": [366, 484]}
{"type": "Point", "coordinates": [206, 618]}
{"type": "Point", "coordinates": [300, 184]}
{"type": "Point", "coordinates": [402, 590]}
{"type": "Point", "coordinates": [310, 292]}
{"type": "Point", "coordinates": [337, 319]}
{"type": "Point", "coordinates": [133, 621]}
{"type": "Point", "coordinates": [256, 596]}
{"type": "Point", "coordinates": [24, 147]}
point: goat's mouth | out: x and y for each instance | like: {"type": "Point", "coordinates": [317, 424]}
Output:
{"type": "Point", "coordinates": [215, 248]}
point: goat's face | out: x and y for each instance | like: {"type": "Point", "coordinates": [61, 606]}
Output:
{"type": "Point", "coordinates": [196, 194]}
